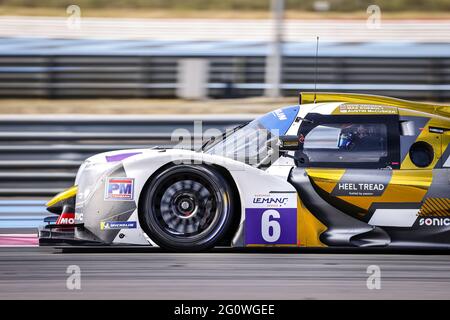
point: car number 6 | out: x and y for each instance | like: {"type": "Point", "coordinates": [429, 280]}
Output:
{"type": "Point", "coordinates": [270, 229]}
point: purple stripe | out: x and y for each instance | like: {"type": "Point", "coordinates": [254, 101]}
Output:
{"type": "Point", "coordinates": [121, 156]}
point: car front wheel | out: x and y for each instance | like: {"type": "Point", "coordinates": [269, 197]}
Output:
{"type": "Point", "coordinates": [187, 208]}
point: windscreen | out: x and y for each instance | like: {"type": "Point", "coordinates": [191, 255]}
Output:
{"type": "Point", "coordinates": [255, 142]}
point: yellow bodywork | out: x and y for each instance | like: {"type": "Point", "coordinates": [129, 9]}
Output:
{"type": "Point", "coordinates": [326, 179]}
{"type": "Point", "coordinates": [66, 194]}
{"type": "Point", "coordinates": [309, 228]}
{"type": "Point", "coordinates": [404, 186]}
{"type": "Point", "coordinates": [435, 207]}
{"type": "Point", "coordinates": [311, 97]}
{"type": "Point", "coordinates": [434, 140]}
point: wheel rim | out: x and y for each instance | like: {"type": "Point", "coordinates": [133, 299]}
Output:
{"type": "Point", "coordinates": [185, 207]}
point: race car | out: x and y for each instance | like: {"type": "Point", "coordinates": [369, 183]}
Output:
{"type": "Point", "coordinates": [336, 170]}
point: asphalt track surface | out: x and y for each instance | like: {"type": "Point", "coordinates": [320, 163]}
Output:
{"type": "Point", "coordinates": [40, 273]}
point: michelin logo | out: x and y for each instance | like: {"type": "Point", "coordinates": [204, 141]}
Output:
{"type": "Point", "coordinates": [109, 225]}
{"type": "Point", "coordinates": [119, 189]}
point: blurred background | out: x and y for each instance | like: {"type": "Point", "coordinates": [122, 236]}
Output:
{"type": "Point", "coordinates": [86, 76]}
{"type": "Point", "coordinates": [211, 49]}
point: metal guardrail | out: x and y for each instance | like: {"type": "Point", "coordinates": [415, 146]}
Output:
{"type": "Point", "coordinates": [21, 214]}
{"type": "Point", "coordinates": [39, 156]}
{"type": "Point", "coordinates": [87, 68]}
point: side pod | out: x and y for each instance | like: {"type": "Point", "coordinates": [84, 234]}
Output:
{"type": "Point", "coordinates": [342, 230]}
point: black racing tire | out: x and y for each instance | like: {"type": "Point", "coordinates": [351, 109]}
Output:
{"type": "Point", "coordinates": [187, 208]}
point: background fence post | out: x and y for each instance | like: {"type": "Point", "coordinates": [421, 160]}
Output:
{"type": "Point", "coordinates": [274, 60]}
{"type": "Point", "coordinates": [192, 79]}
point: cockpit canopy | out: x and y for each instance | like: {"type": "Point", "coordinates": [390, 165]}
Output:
{"type": "Point", "coordinates": [254, 143]}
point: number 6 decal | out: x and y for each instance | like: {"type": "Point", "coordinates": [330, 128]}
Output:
{"type": "Point", "coordinates": [270, 228]}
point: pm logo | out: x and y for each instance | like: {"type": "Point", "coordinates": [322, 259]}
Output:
{"type": "Point", "coordinates": [119, 189]}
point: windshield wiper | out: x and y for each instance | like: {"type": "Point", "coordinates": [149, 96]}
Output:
{"type": "Point", "coordinates": [225, 134]}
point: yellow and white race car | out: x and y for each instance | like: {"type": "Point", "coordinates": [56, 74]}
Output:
{"type": "Point", "coordinates": [337, 170]}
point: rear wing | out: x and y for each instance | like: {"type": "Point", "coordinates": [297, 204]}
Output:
{"type": "Point", "coordinates": [311, 97]}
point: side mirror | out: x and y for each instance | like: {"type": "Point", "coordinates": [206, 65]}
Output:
{"type": "Point", "coordinates": [288, 143]}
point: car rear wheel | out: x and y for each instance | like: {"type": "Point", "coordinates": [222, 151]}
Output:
{"type": "Point", "coordinates": [187, 208]}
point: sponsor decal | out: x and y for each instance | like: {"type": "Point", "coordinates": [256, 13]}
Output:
{"type": "Point", "coordinates": [271, 219]}
{"type": "Point", "coordinates": [366, 108]}
{"type": "Point", "coordinates": [359, 189]}
{"type": "Point", "coordinates": [119, 189]}
{"type": "Point", "coordinates": [271, 226]}
{"type": "Point", "coordinates": [66, 218]}
{"type": "Point", "coordinates": [434, 222]}
{"type": "Point", "coordinates": [109, 225]}
{"type": "Point", "coordinates": [79, 216]}
{"type": "Point", "coordinates": [271, 201]}
{"type": "Point", "coordinates": [280, 114]}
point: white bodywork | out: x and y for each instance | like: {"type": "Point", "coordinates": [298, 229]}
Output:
{"type": "Point", "coordinates": [250, 181]}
